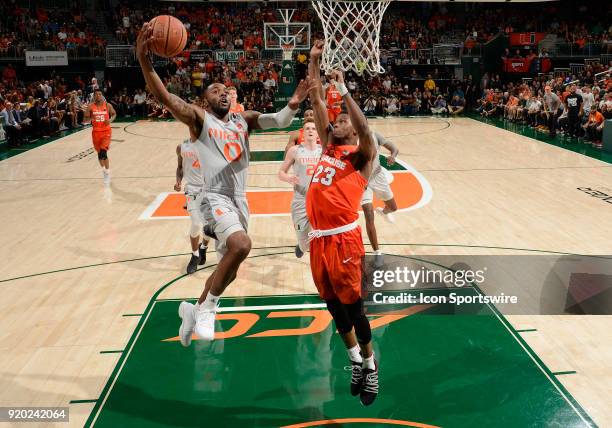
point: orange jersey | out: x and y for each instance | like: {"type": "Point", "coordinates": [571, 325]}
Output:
{"type": "Point", "coordinates": [334, 100]}
{"type": "Point", "coordinates": [335, 192]}
{"type": "Point", "coordinates": [99, 115]}
{"type": "Point", "coordinates": [238, 108]}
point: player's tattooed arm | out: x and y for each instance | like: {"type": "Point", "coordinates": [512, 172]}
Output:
{"type": "Point", "coordinates": [318, 105]}
{"type": "Point", "coordinates": [179, 169]}
{"type": "Point", "coordinates": [184, 112]}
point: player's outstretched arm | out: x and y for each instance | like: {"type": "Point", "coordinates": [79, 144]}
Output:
{"type": "Point", "coordinates": [318, 105]}
{"type": "Point", "coordinates": [180, 109]}
{"type": "Point", "coordinates": [283, 118]}
{"type": "Point", "coordinates": [367, 148]}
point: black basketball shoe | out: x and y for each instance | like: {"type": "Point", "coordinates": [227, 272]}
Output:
{"type": "Point", "coordinates": [202, 255]}
{"type": "Point", "coordinates": [356, 378]}
{"type": "Point", "coordinates": [193, 264]}
{"type": "Point", "coordinates": [369, 388]}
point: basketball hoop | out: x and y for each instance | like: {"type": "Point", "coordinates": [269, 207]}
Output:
{"type": "Point", "coordinates": [287, 51]}
{"type": "Point", "coordinates": [352, 34]}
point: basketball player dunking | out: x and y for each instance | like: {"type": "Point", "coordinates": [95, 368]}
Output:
{"type": "Point", "coordinates": [378, 185]}
{"type": "Point", "coordinates": [222, 141]}
{"type": "Point", "coordinates": [101, 114]}
{"type": "Point", "coordinates": [189, 168]}
{"type": "Point", "coordinates": [336, 248]}
{"type": "Point", "coordinates": [235, 106]}
{"type": "Point", "coordinates": [303, 158]}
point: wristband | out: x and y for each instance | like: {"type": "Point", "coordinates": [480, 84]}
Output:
{"type": "Point", "coordinates": [341, 87]}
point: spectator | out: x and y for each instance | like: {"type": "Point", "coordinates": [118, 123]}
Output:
{"type": "Point", "coordinates": [439, 106]}
{"type": "Point", "coordinates": [139, 106]}
{"type": "Point", "coordinates": [456, 106]}
{"type": "Point", "coordinates": [429, 84]}
{"type": "Point", "coordinates": [11, 126]}
{"type": "Point", "coordinates": [551, 110]}
{"type": "Point", "coordinates": [593, 127]}
{"type": "Point", "coordinates": [369, 107]}
{"type": "Point", "coordinates": [574, 111]}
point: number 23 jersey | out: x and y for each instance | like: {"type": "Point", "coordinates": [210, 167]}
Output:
{"type": "Point", "coordinates": [334, 195]}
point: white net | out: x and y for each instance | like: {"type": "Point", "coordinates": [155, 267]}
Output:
{"type": "Point", "coordinates": [352, 34]}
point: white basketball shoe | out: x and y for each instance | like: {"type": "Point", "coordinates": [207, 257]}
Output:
{"type": "Point", "coordinates": [187, 313]}
{"type": "Point", "coordinates": [205, 322]}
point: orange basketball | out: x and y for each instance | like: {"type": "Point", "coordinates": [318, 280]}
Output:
{"type": "Point", "coordinates": [170, 36]}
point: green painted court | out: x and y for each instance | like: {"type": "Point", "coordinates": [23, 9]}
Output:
{"type": "Point", "coordinates": [465, 369]}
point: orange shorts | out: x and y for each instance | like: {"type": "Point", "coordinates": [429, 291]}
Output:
{"type": "Point", "coordinates": [336, 263]}
{"type": "Point", "coordinates": [101, 140]}
{"type": "Point", "coordinates": [332, 114]}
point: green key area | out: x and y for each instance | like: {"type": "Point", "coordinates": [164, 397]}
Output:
{"type": "Point", "coordinates": [281, 364]}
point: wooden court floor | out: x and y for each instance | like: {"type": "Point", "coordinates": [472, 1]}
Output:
{"type": "Point", "coordinates": [81, 263]}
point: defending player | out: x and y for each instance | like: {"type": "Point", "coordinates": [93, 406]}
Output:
{"type": "Point", "coordinates": [303, 158]}
{"type": "Point", "coordinates": [222, 141]}
{"type": "Point", "coordinates": [189, 168]}
{"type": "Point", "coordinates": [235, 106]}
{"type": "Point", "coordinates": [378, 185]}
{"type": "Point", "coordinates": [336, 248]}
{"type": "Point", "coordinates": [101, 114]}
{"type": "Point", "coordinates": [297, 137]}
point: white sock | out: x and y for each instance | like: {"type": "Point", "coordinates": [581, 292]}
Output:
{"type": "Point", "coordinates": [203, 246]}
{"type": "Point", "coordinates": [354, 354]}
{"type": "Point", "coordinates": [210, 302]}
{"type": "Point", "coordinates": [378, 252]}
{"type": "Point", "coordinates": [368, 363]}
{"type": "Point", "coordinates": [196, 253]}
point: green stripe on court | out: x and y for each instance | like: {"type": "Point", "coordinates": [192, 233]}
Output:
{"type": "Point", "coordinates": [463, 370]}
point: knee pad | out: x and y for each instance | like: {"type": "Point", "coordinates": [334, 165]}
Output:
{"type": "Point", "coordinates": [338, 313]}
{"type": "Point", "coordinates": [195, 230]}
{"type": "Point", "coordinates": [356, 313]}
{"type": "Point", "coordinates": [102, 155]}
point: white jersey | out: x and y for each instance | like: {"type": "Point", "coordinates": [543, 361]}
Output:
{"type": "Point", "coordinates": [304, 166]}
{"type": "Point", "coordinates": [223, 147]}
{"type": "Point", "coordinates": [192, 168]}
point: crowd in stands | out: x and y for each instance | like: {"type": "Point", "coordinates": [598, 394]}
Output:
{"type": "Point", "coordinates": [45, 107]}
{"type": "Point", "coordinates": [218, 26]}
{"type": "Point", "coordinates": [48, 30]}
{"type": "Point", "coordinates": [388, 95]}
{"type": "Point", "coordinates": [575, 106]}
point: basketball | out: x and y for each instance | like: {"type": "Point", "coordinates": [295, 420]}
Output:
{"type": "Point", "coordinates": [170, 36]}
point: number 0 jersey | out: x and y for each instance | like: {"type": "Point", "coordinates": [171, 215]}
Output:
{"type": "Point", "coordinates": [334, 195]}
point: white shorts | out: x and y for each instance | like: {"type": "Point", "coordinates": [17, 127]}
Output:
{"type": "Point", "coordinates": [300, 222]}
{"type": "Point", "coordinates": [227, 215]}
{"type": "Point", "coordinates": [379, 186]}
{"type": "Point", "coordinates": [194, 202]}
